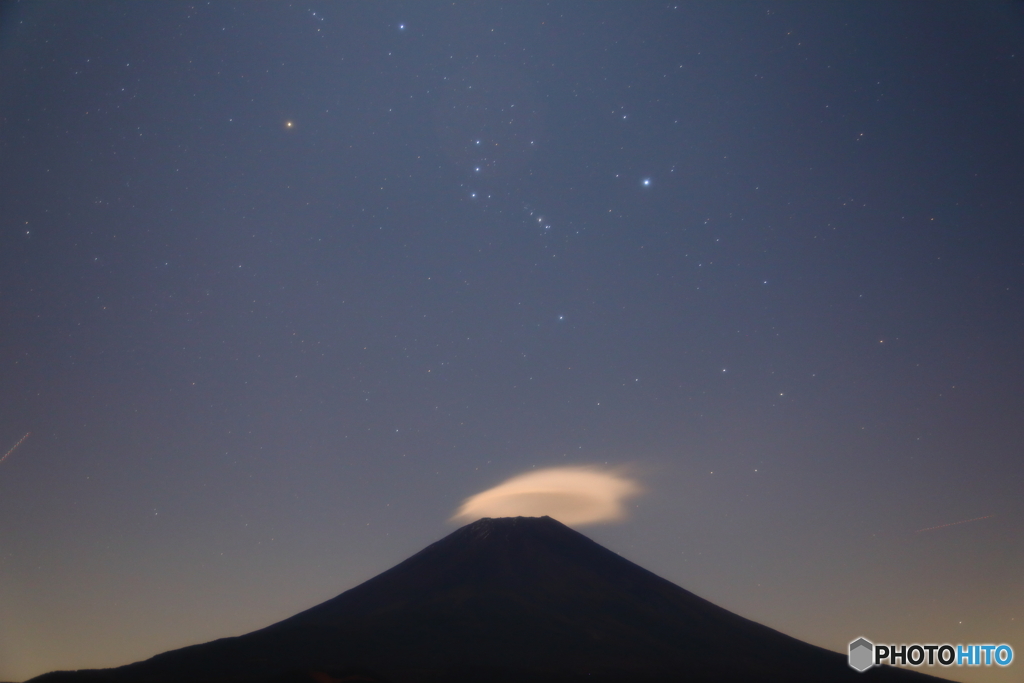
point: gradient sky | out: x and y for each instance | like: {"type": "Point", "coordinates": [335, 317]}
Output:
{"type": "Point", "coordinates": [281, 285]}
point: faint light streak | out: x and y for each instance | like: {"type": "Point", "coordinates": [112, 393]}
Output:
{"type": "Point", "coordinates": [575, 496]}
{"type": "Point", "coordinates": [15, 446]}
{"type": "Point", "coordinates": [943, 526]}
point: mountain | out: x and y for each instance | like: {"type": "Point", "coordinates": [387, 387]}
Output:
{"type": "Point", "coordinates": [502, 600]}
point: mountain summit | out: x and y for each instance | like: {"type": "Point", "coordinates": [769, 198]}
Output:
{"type": "Point", "coordinates": [509, 599]}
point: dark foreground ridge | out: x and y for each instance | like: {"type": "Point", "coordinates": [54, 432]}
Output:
{"type": "Point", "coordinates": [502, 600]}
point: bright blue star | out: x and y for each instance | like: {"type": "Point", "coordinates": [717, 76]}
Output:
{"type": "Point", "coordinates": [647, 182]}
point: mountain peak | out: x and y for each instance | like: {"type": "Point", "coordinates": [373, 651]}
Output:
{"type": "Point", "coordinates": [493, 523]}
{"type": "Point", "coordinates": [488, 526]}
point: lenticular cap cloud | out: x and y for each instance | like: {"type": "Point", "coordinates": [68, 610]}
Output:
{"type": "Point", "coordinates": [575, 496]}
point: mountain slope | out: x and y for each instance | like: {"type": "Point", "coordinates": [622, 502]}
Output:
{"type": "Point", "coordinates": [501, 600]}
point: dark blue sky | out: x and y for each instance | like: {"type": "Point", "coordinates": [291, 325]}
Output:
{"type": "Point", "coordinates": [282, 284]}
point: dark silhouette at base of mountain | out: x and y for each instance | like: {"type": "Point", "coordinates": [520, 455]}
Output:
{"type": "Point", "coordinates": [503, 600]}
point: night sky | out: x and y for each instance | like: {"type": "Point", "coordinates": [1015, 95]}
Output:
{"type": "Point", "coordinates": [281, 285]}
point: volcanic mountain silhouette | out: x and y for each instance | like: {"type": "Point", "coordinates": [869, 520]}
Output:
{"type": "Point", "coordinates": [501, 600]}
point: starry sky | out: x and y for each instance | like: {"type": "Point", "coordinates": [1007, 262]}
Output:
{"type": "Point", "coordinates": [281, 285]}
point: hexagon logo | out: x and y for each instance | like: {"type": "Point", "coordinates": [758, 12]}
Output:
{"type": "Point", "coordinates": [862, 654]}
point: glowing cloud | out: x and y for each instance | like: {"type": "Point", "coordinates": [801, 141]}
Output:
{"type": "Point", "coordinates": [575, 496]}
